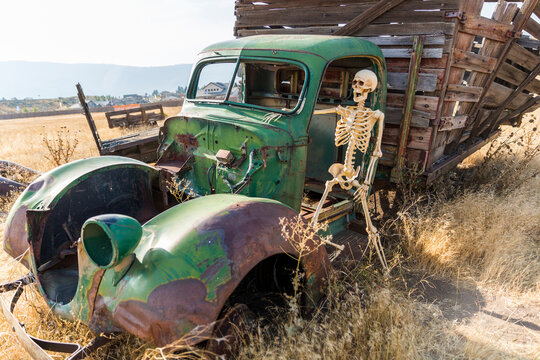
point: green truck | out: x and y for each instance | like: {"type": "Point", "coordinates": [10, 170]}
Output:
{"type": "Point", "coordinates": [107, 243]}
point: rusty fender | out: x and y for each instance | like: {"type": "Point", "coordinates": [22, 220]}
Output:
{"type": "Point", "coordinates": [189, 261]}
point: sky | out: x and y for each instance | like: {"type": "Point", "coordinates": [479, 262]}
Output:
{"type": "Point", "coordinates": [121, 32]}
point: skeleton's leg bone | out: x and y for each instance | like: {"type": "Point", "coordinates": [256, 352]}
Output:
{"type": "Point", "coordinates": [373, 234]}
{"type": "Point", "coordinates": [370, 170]}
{"type": "Point", "coordinates": [329, 185]}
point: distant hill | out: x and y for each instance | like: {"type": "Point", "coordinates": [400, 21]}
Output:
{"type": "Point", "coordinates": [22, 79]}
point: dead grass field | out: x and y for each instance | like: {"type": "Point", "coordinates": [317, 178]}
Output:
{"type": "Point", "coordinates": [465, 280]}
{"type": "Point", "coordinates": [22, 139]}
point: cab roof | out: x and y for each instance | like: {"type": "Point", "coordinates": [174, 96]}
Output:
{"type": "Point", "coordinates": [326, 46]}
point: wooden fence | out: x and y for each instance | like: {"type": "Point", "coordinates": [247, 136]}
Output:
{"type": "Point", "coordinates": [172, 103]}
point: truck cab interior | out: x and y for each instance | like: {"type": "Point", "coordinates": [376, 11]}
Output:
{"type": "Point", "coordinates": [335, 90]}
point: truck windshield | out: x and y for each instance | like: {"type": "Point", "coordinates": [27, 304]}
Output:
{"type": "Point", "coordinates": [276, 86]}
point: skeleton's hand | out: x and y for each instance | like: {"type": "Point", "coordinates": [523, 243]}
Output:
{"type": "Point", "coordinates": [361, 193]}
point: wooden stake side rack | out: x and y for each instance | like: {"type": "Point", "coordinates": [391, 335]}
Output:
{"type": "Point", "coordinates": [142, 115]}
{"type": "Point", "coordinates": [141, 146]}
{"type": "Point", "coordinates": [453, 75]}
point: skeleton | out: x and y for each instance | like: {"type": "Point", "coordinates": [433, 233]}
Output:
{"type": "Point", "coordinates": [354, 130]}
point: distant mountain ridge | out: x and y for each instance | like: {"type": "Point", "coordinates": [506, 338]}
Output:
{"type": "Point", "coordinates": [22, 79]}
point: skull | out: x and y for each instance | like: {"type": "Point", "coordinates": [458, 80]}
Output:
{"type": "Point", "coordinates": [364, 82]}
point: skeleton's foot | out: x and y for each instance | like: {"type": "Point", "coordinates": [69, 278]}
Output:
{"type": "Point", "coordinates": [375, 239]}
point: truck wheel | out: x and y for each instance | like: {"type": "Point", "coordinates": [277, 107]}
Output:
{"type": "Point", "coordinates": [230, 331]}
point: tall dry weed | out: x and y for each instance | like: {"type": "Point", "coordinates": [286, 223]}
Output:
{"type": "Point", "coordinates": [358, 321]}
{"type": "Point", "coordinates": [60, 147]}
{"type": "Point", "coordinates": [487, 226]}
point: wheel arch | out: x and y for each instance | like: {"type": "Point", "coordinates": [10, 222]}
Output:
{"type": "Point", "coordinates": [243, 234]}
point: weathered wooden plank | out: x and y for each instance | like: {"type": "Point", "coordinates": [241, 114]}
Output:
{"type": "Point", "coordinates": [517, 91]}
{"type": "Point", "coordinates": [498, 93]}
{"type": "Point", "coordinates": [419, 119]}
{"type": "Point", "coordinates": [370, 30]}
{"type": "Point", "coordinates": [398, 81]}
{"type": "Point", "coordinates": [425, 104]}
{"type": "Point", "coordinates": [244, 7]}
{"type": "Point", "coordinates": [523, 57]}
{"type": "Point", "coordinates": [533, 28]}
{"type": "Point", "coordinates": [488, 28]}
{"type": "Point", "coordinates": [530, 105]}
{"type": "Point", "coordinates": [410, 93]}
{"type": "Point", "coordinates": [452, 122]}
{"type": "Point", "coordinates": [449, 163]}
{"type": "Point", "coordinates": [407, 29]}
{"type": "Point", "coordinates": [537, 10]}
{"type": "Point", "coordinates": [525, 12]}
{"type": "Point", "coordinates": [412, 15]}
{"type": "Point", "coordinates": [419, 138]}
{"type": "Point", "coordinates": [360, 21]}
{"type": "Point", "coordinates": [528, 42]}
{"type": "Point", "coordinates": [463, 42]}
{"type": "Point", "coordinates": [463, 93]}
{"type": "Point", "coordinates": [433, 53]}
{"type": "Point", "coordinates": [331, 15]}
{"type": "Point", "coordinates": [403, 40]}
{"type": "Point", "coordinates": [413, 157]}
{"type": "Point", "coordinates": [504, 13]}
{"type": "Point", "coordinates": [439, 73]}
{"type": "Point", "coordinates": [465, 89]}
{"type": "Point", "coordinates": [470, 61]}
{"type": "Point", "coordinates": [515, 76]}
{"type": "Point", "coordinates": [425, 64]}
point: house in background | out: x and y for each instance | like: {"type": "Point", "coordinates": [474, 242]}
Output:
{"type": "Point", "coordinates": [132, 98]}
{"type": "Point", "coordinates": [213, 89]}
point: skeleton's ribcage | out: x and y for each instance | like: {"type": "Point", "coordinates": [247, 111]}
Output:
{"type": "Point", "coordinates": [358, 133]}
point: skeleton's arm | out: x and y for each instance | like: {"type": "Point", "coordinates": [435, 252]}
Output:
{"type": "Point", "coordinates": [377, 152]}
{"type": "Point", "coordinates": [339, 110]}
{"type": "Point", "coordinates": [325, 111]}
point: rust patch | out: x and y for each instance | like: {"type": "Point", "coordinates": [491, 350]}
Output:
{"type": "Point", "coordinates": [252, 233]}
{"type": "Point", "coordinates": [179, 309]}
{"type": "Point", "coordinates": [101, 317]}
{"type": "Point", "coordinates": [188, 140]}
{"type": "Point", "coordinates": [15, 236]}
{"type": "Point", "coordinates": [172, 310]}
{"type": "Point", "coordinates": [92, 291]}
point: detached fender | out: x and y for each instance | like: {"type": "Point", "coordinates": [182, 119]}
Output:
{"type": "Point", "coordinates": [189, 261]}
{"type": "Point", "coordinates": [69, 195]}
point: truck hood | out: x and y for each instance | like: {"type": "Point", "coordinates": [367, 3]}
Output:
{"type": "Point", "coordinates": [260, 153]}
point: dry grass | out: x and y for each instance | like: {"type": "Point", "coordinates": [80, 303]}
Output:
{"type": "Point", "coordinates": [488, 227]}
{"type": "Point", "coordinates": [482, 225]}
{"type": "Point", "coordinates": [362, 319]}
{"type": "Point", "coordinates": [22, 138]}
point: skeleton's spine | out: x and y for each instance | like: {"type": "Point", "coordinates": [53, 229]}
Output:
{"type": "Point", "coordinates": [349, 154]}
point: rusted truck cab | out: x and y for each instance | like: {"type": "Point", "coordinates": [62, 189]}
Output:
{"type": "Point", "coordinates": [107, 243]}
{"type": "Point", "coordinates": [247, 124]}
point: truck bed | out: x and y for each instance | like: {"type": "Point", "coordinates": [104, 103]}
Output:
{"type": "Point", "coordinates": [472, 72]}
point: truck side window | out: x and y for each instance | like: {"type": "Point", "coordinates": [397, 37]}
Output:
{"type": "Point", "coordinates": [214, 79]}
{"type": "Point", "coordinates": [268, 84]}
